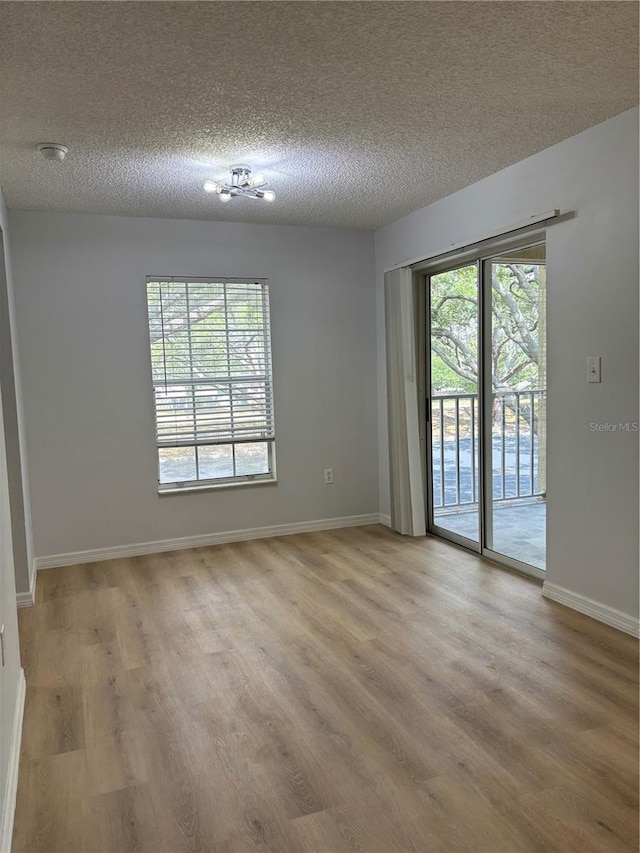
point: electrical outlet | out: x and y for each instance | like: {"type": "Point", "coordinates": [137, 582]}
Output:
{"type": "Point", "coordinates": [328, 476]}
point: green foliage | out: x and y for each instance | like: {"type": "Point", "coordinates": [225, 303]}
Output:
{"type": "Point", "coordinates": [515, 328]}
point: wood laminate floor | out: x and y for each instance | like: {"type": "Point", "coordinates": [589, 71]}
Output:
{"type": "Point", "coordinates": [351, 690]}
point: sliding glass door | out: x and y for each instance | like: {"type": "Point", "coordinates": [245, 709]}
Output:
{"type": "Point", "coordinates": [515, 415]}
{"type": "Point", "coordinates": [486, 425]}
{"type": "Point", "coordinates": [454, 422]}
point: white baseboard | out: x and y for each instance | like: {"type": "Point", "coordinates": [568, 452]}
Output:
{"type": "Point", "coordinates": [24, 599]}
{"type": "Point", "coordinates": [27, 599]}
{"type": "Point", "coordinates": [11, 790]}
{"type": "Point", "coordinates": [601, 612]}
{"type": "Point", "coordinates": [162, 545]}
{"type": "Point", "coordinates": [384, 519]}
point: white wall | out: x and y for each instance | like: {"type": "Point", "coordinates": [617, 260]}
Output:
{"type": "Point", "coordinates": [10, 379]}
{"type": "Point", "coordinates": [82, 323]}
{"type": "Point", "coordinates": [592, 309]}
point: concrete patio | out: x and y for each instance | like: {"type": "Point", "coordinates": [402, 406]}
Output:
{"type": "Point", "coordinates": [519, 528]}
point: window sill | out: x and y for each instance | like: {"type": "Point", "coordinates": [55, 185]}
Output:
{"type": "Point", "coordinates": [214, 487]}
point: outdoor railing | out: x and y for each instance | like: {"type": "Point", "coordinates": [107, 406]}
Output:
{"type": "Point", "coordinates": [515, 447]}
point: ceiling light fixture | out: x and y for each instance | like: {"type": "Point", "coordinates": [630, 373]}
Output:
{"type": "Point", "coordinates": [53, 151]}
{"type": "Point", "coordinates": [241, 185]}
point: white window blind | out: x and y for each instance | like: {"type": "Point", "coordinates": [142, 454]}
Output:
{"type": "Point", "coordinates": [212, 381]}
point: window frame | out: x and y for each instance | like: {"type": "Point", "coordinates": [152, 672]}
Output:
{"type": "Point", "coordinates": [234, 481]}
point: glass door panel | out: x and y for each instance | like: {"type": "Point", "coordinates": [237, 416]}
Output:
{"type": "Point", "coordinates": [454, 413]}
{"type": "Point", "coordinates": [515, 417]}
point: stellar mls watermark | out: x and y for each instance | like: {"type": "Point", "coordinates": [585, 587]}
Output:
{"type": "Point", "coordinates": [619, 426]}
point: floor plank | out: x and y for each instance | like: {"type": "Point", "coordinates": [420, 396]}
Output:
{"type": "Point", "coordinates": [348, 690]}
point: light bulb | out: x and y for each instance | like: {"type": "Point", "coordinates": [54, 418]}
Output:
{"type": "Point", "coordinates": [210, 187]}
{"type": "Point", "coordinates": [225, 195]}
{"type": "Point", "coordinates": [258, 180]}
{"type": "Point", "coordinates": [269, 195]}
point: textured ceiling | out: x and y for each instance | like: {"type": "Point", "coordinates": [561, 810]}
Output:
{"type": "Point", "coordinates": [358, 112]}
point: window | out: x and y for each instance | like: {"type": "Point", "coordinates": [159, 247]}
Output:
{"type": "Point", "coordinates": [212, 382]}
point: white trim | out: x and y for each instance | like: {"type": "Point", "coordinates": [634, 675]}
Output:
{"type": "Point", "coordinates": [28, 599]}
{"type": "Point", "coordinates": [601, 612]}
{"type": "Point", "coordinates": [212, 486]}
{"type": "Point", "coordinates": [11, 791]}
{"type": "Point", "coordinates": [161, 545]}
{"type": "Point", "coordinates": [537, 219]}
{"type": "Point", "coordinates": [385, 519]}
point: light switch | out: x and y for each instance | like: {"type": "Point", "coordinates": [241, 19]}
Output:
{"type": "Point", "coordinates": [593, 368]}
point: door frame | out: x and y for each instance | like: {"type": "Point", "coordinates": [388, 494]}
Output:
{"type": "Point", "coordinates": [482, 256]}
{"type": "Point", "coordinates": [432, 527]}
